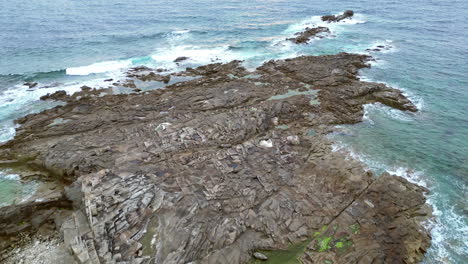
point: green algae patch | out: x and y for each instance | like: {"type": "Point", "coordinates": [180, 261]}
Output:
{"type": "Point", "coordinates": [290, 93]}
{"type": "Point", "coordinates": [343, 244]}
{"type": "Point", "coordinates": [324, 243]}
{"type": "Point", "coordinates": [288, 256]}
{"type": "Point", "coordinates": [325, 239]}
{"type": "Point", "coordinates": [322, 230]}
{"type": "Point", "coordinates": [146, 239]}
{"type": "Point", "coordinates": [327, 261]}
{"type": "Point", "coordinates": [355, 228]}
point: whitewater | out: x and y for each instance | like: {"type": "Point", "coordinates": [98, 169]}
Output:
{"type": "Point", "coordinates": [61, 48]}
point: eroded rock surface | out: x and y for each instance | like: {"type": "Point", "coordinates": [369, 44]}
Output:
{"type": "Point", "coordinates": [214, 169]}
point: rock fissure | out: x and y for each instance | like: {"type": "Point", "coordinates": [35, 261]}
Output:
{"type": "Point", "coordinates": [223, 169]}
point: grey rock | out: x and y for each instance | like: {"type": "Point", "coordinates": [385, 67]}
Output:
{"type": "Point", "coordinates": [178, 175]}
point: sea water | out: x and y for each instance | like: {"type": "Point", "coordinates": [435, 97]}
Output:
{"type": "Point", "coordinates": [64, 44]}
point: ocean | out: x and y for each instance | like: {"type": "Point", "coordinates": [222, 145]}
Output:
{"type": "Point", "coordinates": [64, 44]}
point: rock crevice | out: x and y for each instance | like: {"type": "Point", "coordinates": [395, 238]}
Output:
{"type": "Point", "coordinates": [213, 169]}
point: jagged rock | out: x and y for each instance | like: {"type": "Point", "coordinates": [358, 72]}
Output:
{"type": "Point", "coordinates": [86, 91]}
{"type": "Point", "coordinates": [139, 69]}
{"type": "Point", "coordinates": [58, 95]}
{"type": "Point", "coordinates": [30, 84]}
{"type": "Point", "coordinates": [146, 74]}
{"type": "Point", "coordinates": [129, 84]}
{"type": "Point", "coordinates": [154, 77]}
{"type": "Point", "coordinates": [333, 18]}
{"type": "Point", "coordinates": [212, 169]}
{"type": "Point", "coordinates": [308, 33]}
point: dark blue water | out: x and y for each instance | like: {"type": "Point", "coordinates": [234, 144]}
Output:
{"type": "Point", "coordinates": [69, 43]}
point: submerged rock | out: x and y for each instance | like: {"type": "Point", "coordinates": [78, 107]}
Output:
{"type": "Point", "coordinates": [212, 169]}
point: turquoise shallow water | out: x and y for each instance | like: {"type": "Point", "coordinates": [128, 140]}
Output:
{"type": "Point", "coordinates": [67, 43]}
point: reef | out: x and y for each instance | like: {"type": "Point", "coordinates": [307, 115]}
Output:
{"type": "Point", "coordinates": [333, 18]}
{"type": "Point", "coordinates": [225, 166]}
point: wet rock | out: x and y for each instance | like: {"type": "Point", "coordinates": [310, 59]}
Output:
{"type": "Point", "coordinates": [146, 74]}
{"type": "Point", "coordinates": [108, 80]}
{"type": "Point", "coordinates": [333, 18]}
{"type": "Point", "coordinates": [179, 59]}
{"type": "Point", "coordinates": [139, 69]}
{"type": "Point", "coordinates": [308, 33]}
{"type": "Point", "coordinates": [30, 84]}
{"type": "Point", "coordinates": [58, 96]}
{"type": "Point", "coordinates": [129, 84]}
{"type": "Point", "coordinates": [154, 77]}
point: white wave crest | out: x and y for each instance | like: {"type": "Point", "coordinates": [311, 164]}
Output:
{"type": "Point", "coordinates": [382, 46]}
{"type": "Point", "coordinates": [100, 67]}
{"type": "Point", "coordinates": [197, 55]}
{"type": "Point", "coordinates": [448, 228]}
{"type": "Point", "coordinates": [316, 21]}
{"type": "Point", "coordinates": [370, 109]}
{"type": "Point", "coordinates": [9, 176]}
{"type": "Point", "coordinates": [183, 31]}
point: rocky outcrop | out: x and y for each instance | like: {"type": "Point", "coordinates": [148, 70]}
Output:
{"type": "Point", "coordinates": [333, 18]}
{"type": "Point", "coordinates": [214, 169]}
{"type": "Point", "coordinates": [86, 91]}
{"type": "Point", "coordinates": [179, 59]}
{"type": "Point", "coordinates": [308, 33]}
{"type": "Point", "coordinates": [58, 96]}
{"type": "Point", "coordinates": [30, 84]}
{"type": "Point", "coordinates": [146, 74]}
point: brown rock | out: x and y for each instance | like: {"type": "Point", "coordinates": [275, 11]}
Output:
{"type": "Point", "coordinates": [203, 169]}
{"type": "Point", "coordinates": [305, 36]}
{"type": "Point", "coordinates": [332, 18]}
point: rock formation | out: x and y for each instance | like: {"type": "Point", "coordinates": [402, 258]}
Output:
{"type": "Point", "coordinates": [308, 33]}
{"type": "Point", "coordinates": [215, 169]}
{"type": "Point", "coordinates": [333, 18]}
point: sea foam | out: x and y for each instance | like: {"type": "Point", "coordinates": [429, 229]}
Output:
{"type": "Point", "coordinates": [447, 227]}
{"type": "Point", "coordinates": [99, 67]}
{"type": "Point", "coordinates": [316, 21]}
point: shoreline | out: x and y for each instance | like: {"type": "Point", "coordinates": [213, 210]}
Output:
{"type": "Point", "coordinates": [276, 128]}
